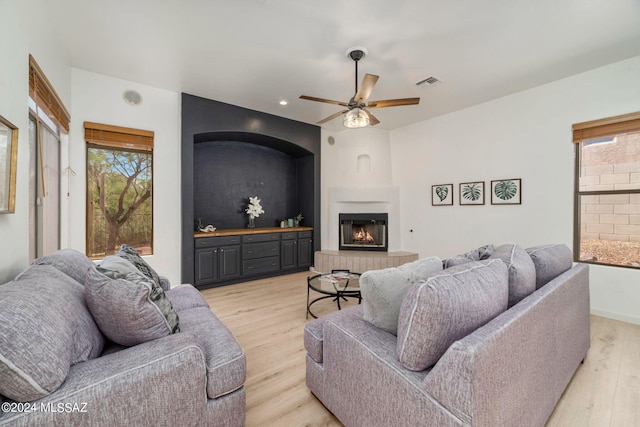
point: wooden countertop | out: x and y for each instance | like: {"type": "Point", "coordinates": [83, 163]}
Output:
{"type": "Point", "coordinates": [260, 230]}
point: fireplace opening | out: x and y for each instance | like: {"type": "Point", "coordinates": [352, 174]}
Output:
{"type": "Point", "coordinates": [363, 232]}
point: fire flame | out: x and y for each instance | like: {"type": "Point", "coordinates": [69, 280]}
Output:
{"type": "Point", "coordinates": [363, 236]}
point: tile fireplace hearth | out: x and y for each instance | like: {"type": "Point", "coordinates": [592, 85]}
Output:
{"type": "Point", "coordinates": [360, 261]}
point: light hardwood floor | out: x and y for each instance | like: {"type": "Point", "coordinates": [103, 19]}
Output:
{"type": "Point", "coordinates": [268, 317]}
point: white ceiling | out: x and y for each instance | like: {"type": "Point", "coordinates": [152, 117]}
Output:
{"type": "Point", "coordinates": [254, 53]}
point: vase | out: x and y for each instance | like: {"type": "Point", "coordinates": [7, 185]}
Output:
{"type": "Point", "coordinates": [252, 222]}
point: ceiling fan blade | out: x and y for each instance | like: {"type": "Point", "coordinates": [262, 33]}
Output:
{"type": "Point", "coordinates": [373, 120]}
{"type": "Point", "coordinates": [328, 101]}
{"type": "Point", "coordinates": [331, 117]}
{"type": "Point", "coordinates": [368, 83]}
{"type": "Point", "coordinates": [393, 102]}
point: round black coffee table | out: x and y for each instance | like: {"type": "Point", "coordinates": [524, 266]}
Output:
{"type": "Point", "coordinates": [339, 284]}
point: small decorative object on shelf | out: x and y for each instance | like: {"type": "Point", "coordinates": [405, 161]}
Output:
{"type": "Point", "coordinates": [254, 210]}
{"type": "Point", "coordinates": [298, 219]}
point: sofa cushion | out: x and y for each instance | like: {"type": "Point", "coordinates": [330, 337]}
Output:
{"type": "Point", "coordinates": [133, 256]}
{"type": "Point", "coordinates": [550, 261]}
{"type": "Point", "coordinates": [448, 306]}
{"type": "Point", "coordinates": [522, 272]}
{"type": "Point", "coordinates": [71, 262]}
{"type": "Point", "coordinates": [184, 297]}
{"type": "Point", "coordinates": [128, 307]}
{"type": "Point", "coordinates": [479, 254]}
{"type": "Point", "coordinates": [45, 327]}
{"type": "Point", "coordinates": [383, 290]}
{"type": "Point", "coordinates": [225, 359]}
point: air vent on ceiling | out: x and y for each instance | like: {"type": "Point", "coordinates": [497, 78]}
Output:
{"type": "Point", "coordinates": [429, 81]}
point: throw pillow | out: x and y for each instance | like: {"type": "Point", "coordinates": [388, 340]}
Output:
{"type": "Point", "coordinates": [71, 262]}
{"type": "Point", "coordinates": [482, 253]}
{"type": "Point", "coordinates": [45, 327]}
{"type": "Point", "coordinates": [128, 307]}
{"type": "Point", "coordinates": [133, 256]}
{"type": "Point", "coordinates": [447, 307]}
{"type": "Point", "coordinates": [383, 290]}
{"type": "Point", "coordinates": [522, 272]}
{"type": "Point", "coordinates": [550, 261]}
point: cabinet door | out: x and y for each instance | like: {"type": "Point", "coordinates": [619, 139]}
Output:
{"type": "Point", "coordinates": [229, 262]}
{"type": "Point", "coordinates": [305, 252]}
{"type": "Point", "coordinates": [206, 266]}
{"type": "Point", "coordinates": [288, 254]}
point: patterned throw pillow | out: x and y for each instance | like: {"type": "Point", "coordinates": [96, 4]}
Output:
{"type": "Point", "coordinates": [133, 256]}
{"type": "Point", "coordinates": [127, 305]}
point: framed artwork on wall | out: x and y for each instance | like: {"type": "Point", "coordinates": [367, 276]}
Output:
{"type": "Point", "coordinates": [506, 192]}
{"type": "Point", "coordinates": [442, 195]}
{"type": "Point", "coordinates": [472, 193]}
{"type": "Point", "coordinates": [8, 165]}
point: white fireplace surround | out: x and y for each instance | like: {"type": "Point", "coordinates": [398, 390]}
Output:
{"type": "Point", "coordinates": [364, 200]}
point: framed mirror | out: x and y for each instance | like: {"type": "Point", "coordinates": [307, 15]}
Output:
{"type": "Point", "coordinates": [8, 165]}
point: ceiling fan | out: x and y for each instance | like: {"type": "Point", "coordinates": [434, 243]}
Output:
{"type": "Point", "coordinates": [357, 109]}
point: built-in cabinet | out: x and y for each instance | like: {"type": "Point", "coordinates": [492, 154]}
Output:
{"type": "Point", "coordinates": [296, 249]}
{"type": "Point", "coordinates": [305, 248]}
{"type": "Point", "coordinates": [233, 258]}
{"type": "Point", "coordinates": [217, 259]}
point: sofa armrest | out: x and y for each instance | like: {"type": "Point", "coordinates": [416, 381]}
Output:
{"type": "Point", "coordinates": [160, 382]}
{"type": "Point", "coordinates": [362, 377]}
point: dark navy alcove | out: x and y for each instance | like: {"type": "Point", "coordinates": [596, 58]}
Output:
{"type": "Point", "coordinates": [230, 153]}
{"type": "Point", "coordinates": [227, 173]}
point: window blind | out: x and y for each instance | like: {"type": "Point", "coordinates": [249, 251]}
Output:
{"type": "Point", "coordinates": [118, 137]}
{"type": "Point", "coordinates": [606, 127]}
{"type": "Point", "coordinates": [42, 92]}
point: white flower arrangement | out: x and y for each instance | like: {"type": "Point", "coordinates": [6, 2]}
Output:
{"type": "Point", "coordinates": [255, 208]}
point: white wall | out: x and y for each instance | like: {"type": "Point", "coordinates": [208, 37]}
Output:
{"type": "Point", "coordinates": [351, 187]}
{"type": "Point", "coordinates": [528, 136]}
{"type": "Point", "coordinates": [25, 30]}
{"type": "Point", "coordinates": [98, 98]}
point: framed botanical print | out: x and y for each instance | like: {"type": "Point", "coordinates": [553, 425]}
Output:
{"type": "Point", "coordinates": [506, 192]}
{"type": "Point", "coordinates": [442, 195]}
{"type": "Point", "coordinates": [8, 165]}
{"type": "Point", "coordinates": [472, 193]}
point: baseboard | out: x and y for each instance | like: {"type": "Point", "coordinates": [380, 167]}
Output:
{"type": "Point", "coordinates": [616, 316]}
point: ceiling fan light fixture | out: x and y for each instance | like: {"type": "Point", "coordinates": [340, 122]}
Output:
{"type": "Point", "coordinates": [356, 118]}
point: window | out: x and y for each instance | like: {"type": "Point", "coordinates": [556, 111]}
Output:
{"type": "Point", "coordinates": [608, 191]}
{"type": "Point", "coordinates": [119, 189]}
{"type": "Point", "coordinates": [47, 120]}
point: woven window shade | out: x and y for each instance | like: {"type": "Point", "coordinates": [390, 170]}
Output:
{"type": "Point", "coordinates": [118, 137]}
{"type": "Point", "coordinates": [606, 127]}
{"type": "Point", "coordinates": [42, 92]}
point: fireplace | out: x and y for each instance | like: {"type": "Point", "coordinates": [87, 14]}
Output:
{"type": "Point", "coordinates": [363, 232]}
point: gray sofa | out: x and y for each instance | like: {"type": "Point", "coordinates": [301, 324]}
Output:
{"type": "Point", "coordinates": [491, 341]}
{"type": "Point", "coordinates": [87, 346]}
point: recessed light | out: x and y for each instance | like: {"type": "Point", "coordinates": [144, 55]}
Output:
{"type": "Point", "coordinates": [283, 102]}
